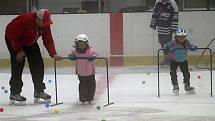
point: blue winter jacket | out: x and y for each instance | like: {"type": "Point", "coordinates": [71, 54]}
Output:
{"type": "Point", "coordinates": [178, 51]}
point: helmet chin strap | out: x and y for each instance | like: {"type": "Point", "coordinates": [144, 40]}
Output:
{"type": "Point", "coordinates": [81, 50]}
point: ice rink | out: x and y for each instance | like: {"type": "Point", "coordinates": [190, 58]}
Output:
{"type": "Point", "coordinates": [132, 89]}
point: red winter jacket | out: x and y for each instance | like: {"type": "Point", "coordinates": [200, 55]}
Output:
{"type": "Point", "coordinates": [23, 32]}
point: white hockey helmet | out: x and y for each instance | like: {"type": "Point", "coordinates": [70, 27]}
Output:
{"type": "Point", "coordinates": [180, 32]}
{"type": "Point", "coordinates": [82, 38]}
{"type": "Point", "coordinates": [164, 1]}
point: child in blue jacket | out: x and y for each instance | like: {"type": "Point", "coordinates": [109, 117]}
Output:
{"type": "Point", "coordinates": [178, 57]}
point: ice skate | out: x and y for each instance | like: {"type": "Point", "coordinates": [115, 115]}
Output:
{"type": "Point", "coordinates": [90, 102]}
{"type": "Point", "coordinates": [176, 90]}
{"type": "Point", "coordinates": [83, 103]}
{"type": "Point", "coordinates": [17, 100]}
{"type": "Point", "coordinates": [189, 90]}
{"type": "Point", "coordinates": [41, 97]}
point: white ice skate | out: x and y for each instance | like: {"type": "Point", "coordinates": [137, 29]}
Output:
{"type": "Point", "coordinates": [91, 103]}
{"type": "Point", "coordinates": [83, 103]}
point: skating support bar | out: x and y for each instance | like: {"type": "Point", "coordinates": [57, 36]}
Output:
{"type": "Point", "coordinates": [55, 79]}
{"type": "Point", "coordinates": [107, 75]}
{"type": "Point", "coordinates": [211, 73]}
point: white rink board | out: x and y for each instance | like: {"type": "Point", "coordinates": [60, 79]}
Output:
{"type": "Point", "coordinates": [138, 38]}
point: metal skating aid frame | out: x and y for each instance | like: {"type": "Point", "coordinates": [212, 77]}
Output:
{"type": "Point", "coordinates": [107, 79]}
{"type": "Point", "coordinates": [211, 73]}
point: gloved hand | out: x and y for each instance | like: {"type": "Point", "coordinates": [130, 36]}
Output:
{"type": "Point", "coordinates": [72, 57]}
{"type": "Point", "coordinates": [92, 58]}
{"type": "Point", "coordinates": [193, 48]}
{"type": "Point", "coordinates": [167, 46]}
{"type": "Point", "coordinates": [173, 30]}
{"type": "Point", "coordinates": [57, 57]}
{"type": "Point", "coordinates": [20, 56]}
{"type": "Point", "coordinates": [153, 26]}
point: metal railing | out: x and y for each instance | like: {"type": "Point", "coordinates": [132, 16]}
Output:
{"type": "Point", "coordinates": [198, 60]}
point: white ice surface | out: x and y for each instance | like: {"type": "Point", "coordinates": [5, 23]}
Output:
{"type": "Point", "coordinates": [133, 100]}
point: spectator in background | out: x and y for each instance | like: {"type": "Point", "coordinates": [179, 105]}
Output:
{"type": "Point", "coordinates": [165, 19]}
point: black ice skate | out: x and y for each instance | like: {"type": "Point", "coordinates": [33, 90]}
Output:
{"type": "Point", "coordinates": [189, 90]}
{"type": "Point", "coordinates": [176, 90]}
{"type": "Point", "coordinates": [17, 100]}
{"type": "Point", "coordinates": [41, 97]}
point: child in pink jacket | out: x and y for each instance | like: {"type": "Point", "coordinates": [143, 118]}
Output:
{"type": "Point", "coordinates": [85, 68]}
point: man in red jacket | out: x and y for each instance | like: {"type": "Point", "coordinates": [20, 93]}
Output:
{"type": "Point", "coordinates": [21, 39]}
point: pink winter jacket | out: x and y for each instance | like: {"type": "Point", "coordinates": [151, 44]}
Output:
{"type": "Point", "coordinates": [85, 67]}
